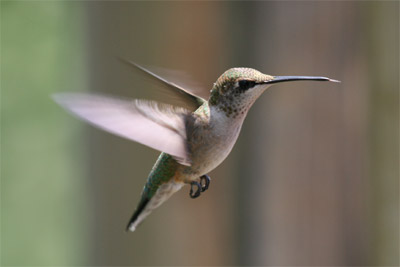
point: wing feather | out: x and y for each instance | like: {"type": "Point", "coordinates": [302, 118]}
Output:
{"type": "Point", "coordinates": [180, 85]}
{"type": "Point", "coordinates": [158, 126]}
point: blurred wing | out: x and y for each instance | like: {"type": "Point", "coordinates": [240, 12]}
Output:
{"type": "Point", "coordinates": [158, 126]}
{"type": "Point", "coordinates": [179, 84]}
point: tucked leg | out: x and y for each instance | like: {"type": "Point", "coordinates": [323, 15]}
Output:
{"type": "Point", "coordinates": [204, 182]}
{"type": "Point", "coordinates": [195, 194]}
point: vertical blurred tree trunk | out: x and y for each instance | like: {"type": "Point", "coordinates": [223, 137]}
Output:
{"type": "Point", "coordinates": [302, 197]}
{"type": "Point", "coordinates": [149, 33]}
{"type": "Point", "coordinates": [383, 65]}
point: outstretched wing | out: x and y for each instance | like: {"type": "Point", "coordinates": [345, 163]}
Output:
{"type": "Point", "coordinates": [177, 82]}
{"type": "Point", "coordinates": [158, 126]}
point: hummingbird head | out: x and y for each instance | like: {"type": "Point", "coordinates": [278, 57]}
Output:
{"type": "Point", "coordinates": [237, 89]}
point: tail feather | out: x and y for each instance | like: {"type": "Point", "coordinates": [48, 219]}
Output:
{"type": "Point", "coordinates": [142, 204]}
{"type": "Point", "coordinates": [147, 205]}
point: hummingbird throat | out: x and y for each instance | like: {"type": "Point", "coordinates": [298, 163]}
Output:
{"type": "Point", "coordinates": [232, 102]}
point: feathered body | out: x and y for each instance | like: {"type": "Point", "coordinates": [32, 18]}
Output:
{"type": "Point", "coordinates": [208, 143]}
{"type": "Point", "coordinates": [192, 142]}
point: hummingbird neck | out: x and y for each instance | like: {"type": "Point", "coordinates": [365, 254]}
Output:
{"type": "Point", "coordinates": [226, 116]}
{"type": "Point", "coordinates": [228, 103]}
{"type": "Point", "coordinates": [229, 106]}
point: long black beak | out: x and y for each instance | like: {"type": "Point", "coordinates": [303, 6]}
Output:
{"type": "Point", "coordinates": [278, 79]}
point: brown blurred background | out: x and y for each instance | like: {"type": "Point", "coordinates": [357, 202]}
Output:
{"type": "Point", "coordinates": [313, 179]}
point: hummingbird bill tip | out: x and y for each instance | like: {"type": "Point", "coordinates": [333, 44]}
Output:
{"type": "Point", "coordinates": [132, 228]}
{"type": "Point", "coordinates": [333, 80]}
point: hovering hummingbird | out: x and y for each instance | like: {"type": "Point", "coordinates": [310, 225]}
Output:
{"type": "Point", "coordinates": [192, 141]}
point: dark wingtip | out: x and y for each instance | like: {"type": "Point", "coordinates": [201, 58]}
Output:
{"type": "Point", "coordinates": [132, 63]}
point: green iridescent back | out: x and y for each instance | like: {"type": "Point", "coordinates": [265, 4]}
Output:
{"type": "Point", "coordinates": [162, 172]}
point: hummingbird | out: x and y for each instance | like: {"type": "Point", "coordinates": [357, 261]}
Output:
{"type": "Point", "coordinates": [193, 140]}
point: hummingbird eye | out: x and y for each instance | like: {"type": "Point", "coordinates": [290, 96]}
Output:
{"type": "Point", "coordinates": [246, 84]}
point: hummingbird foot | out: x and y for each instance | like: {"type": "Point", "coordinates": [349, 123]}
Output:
{"type": "Point", "coordinates": [204, 182]}
{"type": "Point", "coordinates": [199, 189]}
{"type": "Point", "coordinates": [200, 186]}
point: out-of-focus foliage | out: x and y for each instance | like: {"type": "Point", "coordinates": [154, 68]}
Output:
{"type": "Point", "coordinates": [42, 173]}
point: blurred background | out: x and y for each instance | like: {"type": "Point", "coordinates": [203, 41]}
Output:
{"type": "Point", "coordinates": [312, 180]}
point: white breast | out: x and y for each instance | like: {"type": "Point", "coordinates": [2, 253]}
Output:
{"type": "Point", "coordinates": [222, 136]}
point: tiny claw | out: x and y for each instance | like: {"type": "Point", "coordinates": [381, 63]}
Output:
{"type": "Point", "coordinates": [205, 182]}
{"type": "Point", "coordinates": [197, 193]}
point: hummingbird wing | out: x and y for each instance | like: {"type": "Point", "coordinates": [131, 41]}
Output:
{"type": "Point", "coordinates": [159, 126]}
{"type": "Point", "coordinates": [181, 86]}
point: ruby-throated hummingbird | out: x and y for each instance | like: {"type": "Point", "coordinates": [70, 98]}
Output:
{"type": "Point", "coordinates": [192, 142]}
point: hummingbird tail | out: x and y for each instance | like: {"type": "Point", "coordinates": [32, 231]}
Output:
{"type": "Point", "coordinates": [142, 204]}
{"type": "Point", "coordinates": [147, 205]}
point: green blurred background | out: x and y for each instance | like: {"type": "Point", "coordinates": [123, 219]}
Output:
{"type": "Point", "coordinates": [313, 179]}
